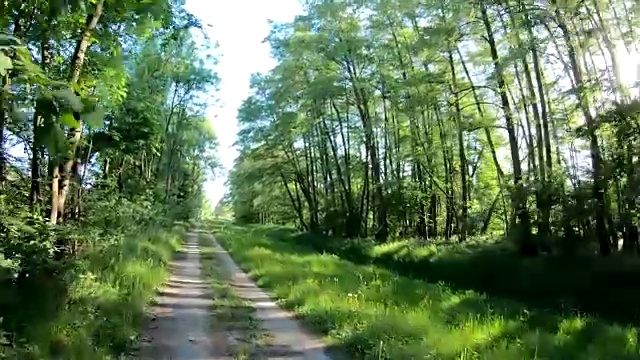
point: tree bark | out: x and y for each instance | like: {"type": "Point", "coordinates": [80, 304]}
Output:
{"type": "Point", "coordinates": [75, 134]}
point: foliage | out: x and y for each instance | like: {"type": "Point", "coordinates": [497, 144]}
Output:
{"type": "Point", "coordinates": [107, 292]}
{"type": "Point", "coordinates": [105, 98]}
{"type": "Point", "coordinates": [412, 138]}
{"type": "Point", "coordinates": [91, 305]}
{"type": "Point", "coordinates": [447, 119]}
{"type": "Point", "coordinates": [377, 314]}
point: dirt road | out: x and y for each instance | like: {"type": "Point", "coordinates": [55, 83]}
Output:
{"type": "Point", "coordinates": [185, 328]}
{"type": "Point", "coordinates": [179, 329]}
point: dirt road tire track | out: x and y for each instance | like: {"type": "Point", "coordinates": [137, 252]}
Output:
{"type": "Point", "coordinates": [183, 326]}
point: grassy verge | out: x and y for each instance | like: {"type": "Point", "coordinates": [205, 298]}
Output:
{"type": "Point", "coordinates": [94, 309]}
{"type": "Point", "coordinates": [235, 325]}
{"type": "Point", "coordinates": [604, 286]}
{"type": "Point", "coordinates": [374, 313]}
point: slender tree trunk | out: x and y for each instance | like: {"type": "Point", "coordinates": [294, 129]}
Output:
{"type": "Point", "coordinates": [4, 106]}
{"type": "Point", "coordinates": [542, 203]}
{"type": "Point", "coordinates": [599, 187]}
{"type": "Point", "coordinates": [362, 102]}
{"type": "Point", "coordinates": [64, 173]}
{"type": "Point", "coordinates": [36, 149]}
{"type": "Point", "coordinates": [462, 221]}
{"type": "Point", "coordinates": [527, 246]}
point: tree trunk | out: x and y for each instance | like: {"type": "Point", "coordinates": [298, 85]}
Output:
{"type": "Point", "coordinates": [362, 101]}
{"type": "Point", "coordinates": [462, 221]}
{"type": "Point", "coordinates": [4, 106]}
{"type": "Point", "coordinates": [74, 135]}
{"type": "Point", "coordinates": [599, 182]}
{"type": "Point", "coordinates": [527, 246]}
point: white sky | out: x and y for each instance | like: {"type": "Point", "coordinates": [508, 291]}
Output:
{"type": "Point", "coordinates": [239, 27]}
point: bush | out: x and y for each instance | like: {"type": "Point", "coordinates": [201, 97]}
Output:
{"type": "Point", "coordinates": [89, 303]}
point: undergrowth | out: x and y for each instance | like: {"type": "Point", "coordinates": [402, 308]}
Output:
{"type": "Point", "coordinates": [89, 305]}
{"type": "Point", "coordinates": [375, 313]}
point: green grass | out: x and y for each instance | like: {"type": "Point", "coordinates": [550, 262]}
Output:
{"type": "Point", "coordinates": [101, 300]}
{"type": "Point", "coordinates": [374, 313]}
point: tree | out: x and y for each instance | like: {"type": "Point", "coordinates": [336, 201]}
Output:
{"type": "Point", "coordinates": [391, 118]}
{"type": "Point", "coordinates": [106, 99]}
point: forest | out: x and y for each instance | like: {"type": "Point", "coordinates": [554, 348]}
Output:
{"type": "Point", "coordinates": [104, 145]}
{"type": "Point", "coordinates": [416, 178]}
{"type": "Point", "coordinates": [489, 147]}
{"type": "Point", "coordinates": [449, 120]}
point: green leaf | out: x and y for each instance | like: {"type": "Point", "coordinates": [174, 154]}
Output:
{"type": "Point", "coordinates": [23, 62]}
{"type": "Point", "coordinates": [5, 64]}
{"type": "Point", "coordinates": [95, 118]}
{"type": "Point", "coordinates": [9, 40]}
{"type": "Point", "coordinates": [55, 141]}
{"type": "Point", "coordinates": [67, 119]}
{"type": "Point", "coordinates": [68, 99]}
{"type": "Point", "coordinates": [45, 106]}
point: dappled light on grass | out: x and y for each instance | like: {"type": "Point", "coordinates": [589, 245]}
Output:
{"type": "Point", "coordinates": [127, 284]}
{"type": "Point", "coordinates": [106, 296]}
{"type": "Point", "coordinates": [374, 313]}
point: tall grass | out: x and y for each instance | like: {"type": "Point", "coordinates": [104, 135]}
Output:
{"type": "Point", "coordinates": [96, 307]}
{"type": "Point", "coordinates": [374, 313]}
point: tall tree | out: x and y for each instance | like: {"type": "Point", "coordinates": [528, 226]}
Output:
{"type": "Point", "coordinates": [386, 117]}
